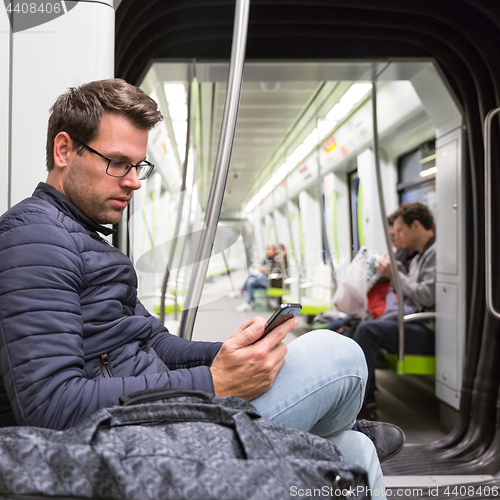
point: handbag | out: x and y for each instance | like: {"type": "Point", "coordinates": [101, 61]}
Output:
{"type": "Point", "coordinates": [350, 297]}
{"type": "Point", "coordinates": [173, 444]}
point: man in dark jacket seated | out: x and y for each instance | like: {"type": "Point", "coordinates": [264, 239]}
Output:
{"type": "Point", "coordinates": [74, 336]}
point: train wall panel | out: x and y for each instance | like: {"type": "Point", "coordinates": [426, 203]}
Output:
{"type": "Point", "coordinates": [447, 158]}
{"type": "Point", "coordinates": [451, 285]}
{"type": "Point", "coordinates": [5, 35]}
{"type": "Point", "coordinates": [448, 359]}
{"type": "Point", "coordinates": [437, 99]}
{"type": "Point", "coordinates": [311, 248]}
{"type": "Point", "coordinates": [373, 228]}
{"type": "Point", "coordinates": [72, 49]}
{"type": "Point", "coordinates": [294, 214]}
{"type": "Point", "coordinates": [337, 217]}
{"type": "Point", "coordinates": [282, 232]}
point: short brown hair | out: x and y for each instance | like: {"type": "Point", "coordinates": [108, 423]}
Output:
{"type": "Point", "coordinates": [411, 212]}
{"type": "Point", "coordinates": [391, 218]}
{"type": "Point", "coordinates": [79, 111]}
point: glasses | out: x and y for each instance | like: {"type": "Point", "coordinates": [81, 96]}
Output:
{"type": "Point", "coordinates": [120, 168]}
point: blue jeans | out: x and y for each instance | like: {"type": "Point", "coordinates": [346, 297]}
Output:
{"type": "Point", "coordinates": [253, 282]}
{"type": "Point", "coordinates": [320, 389]}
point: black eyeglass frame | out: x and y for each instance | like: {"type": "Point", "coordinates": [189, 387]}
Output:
{"type": "Point", "coordinates": [140, 165]}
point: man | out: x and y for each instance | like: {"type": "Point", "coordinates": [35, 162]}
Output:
{"type": "Point", "coordinates": [414, 225]}
{"type": "Point", "coordinates": [258, 278]}
{"type": "Point", "coordinates": [74, 337]}
{"type": "Point", "coordinates": [401, 253]}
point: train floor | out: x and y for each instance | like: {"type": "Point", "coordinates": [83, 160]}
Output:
{"type": "Point", "coordinates": [407, 401]}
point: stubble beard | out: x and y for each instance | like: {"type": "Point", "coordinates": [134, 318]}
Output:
{"type": "Point", "coordinates": [81, 194]}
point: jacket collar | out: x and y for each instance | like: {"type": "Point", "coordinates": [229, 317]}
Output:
{"type": "Point", "coordinates": [54, 197]}
{"type": "Point", "coordinates": [432, 239]}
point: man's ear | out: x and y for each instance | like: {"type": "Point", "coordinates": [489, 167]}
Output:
{"type": "Point", "coordinates": [416, 225]}
{"type": "Point", "coordinates": [63, 145]}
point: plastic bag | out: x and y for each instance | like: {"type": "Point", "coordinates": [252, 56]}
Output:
{"type": "Point", "coordinates": [350, 296]}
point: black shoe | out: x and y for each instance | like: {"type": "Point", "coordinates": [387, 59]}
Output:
{"type": "Point", "coordinates": [388, 439]}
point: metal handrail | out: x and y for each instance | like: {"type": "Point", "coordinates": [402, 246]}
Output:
{"type": "Point", "coordinates": [394, 266]}
{"type": "Point", "coordinates": [408, 318]}
{"type": "Point", "coordinates": [187, 240]}
{"type": "Point", "coordinates": [180, 209]}
{"type": "Point", "coordinates": [221, 169]}
{"type": "Point", "coordinates": [487, 208]}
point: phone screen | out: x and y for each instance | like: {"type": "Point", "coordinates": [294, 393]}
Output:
{"type": "Point", "coordinates": [282, 314]}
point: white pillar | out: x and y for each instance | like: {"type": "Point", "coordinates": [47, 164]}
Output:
{"type": "Point", "coordinates": [39, 64]}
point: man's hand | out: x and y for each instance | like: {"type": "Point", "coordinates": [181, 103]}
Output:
{"type": "Point", "coordinates": [384, 267]}
{"type": "Point", "coordinates": [244, 369]}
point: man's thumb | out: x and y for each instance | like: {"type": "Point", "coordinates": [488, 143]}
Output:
{"type": "Point", "coordinates": [250, 334]}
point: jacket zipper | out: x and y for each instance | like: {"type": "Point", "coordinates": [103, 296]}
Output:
{"type": "Point", "coordinates": [103, 360]}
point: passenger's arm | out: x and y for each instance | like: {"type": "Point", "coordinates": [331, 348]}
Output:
{"type": "Point", "coordinates": [42, 360]}
{"type": "Point", "coordinates": [423, 292]}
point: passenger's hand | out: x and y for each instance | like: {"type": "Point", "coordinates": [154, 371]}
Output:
{"type": "Point", "coordinates": [384, 267]}
{"type": "Point", "coordinates": [247, 369]}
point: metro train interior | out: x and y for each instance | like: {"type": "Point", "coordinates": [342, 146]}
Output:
{"type": "Point", "coordinates": [302, 173]}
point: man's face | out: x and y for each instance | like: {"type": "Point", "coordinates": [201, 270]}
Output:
{"type": "Point", "coordinates": [404, 232]}
{"type": "Point", "coordinates": [86, 184]}
{"type": "Point", "coordinates": [396, 240]}
{"type": "Point", "coordinates": [270, 251]}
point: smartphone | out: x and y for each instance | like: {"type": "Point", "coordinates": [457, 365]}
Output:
{"type": "Point", "coordinates": [282, 314]}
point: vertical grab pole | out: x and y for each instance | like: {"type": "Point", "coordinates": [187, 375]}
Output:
{"type": "Point", "coordinates": [394, 267]}
{"type": "Point", "coordinates": [221, 169]}
{"type": "Point", "coordinates": [487, 208]}
{"type": "Point", "coordinates": [166, 276]}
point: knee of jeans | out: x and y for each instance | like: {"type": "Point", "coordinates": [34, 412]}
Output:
{"type": "Point", "coordinates": [336, 349]}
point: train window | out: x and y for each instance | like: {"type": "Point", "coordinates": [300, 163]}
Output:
{"type": "Point", "coordinates": [417, 175]}
{"type": "Point", "coordinates": [355, 207]}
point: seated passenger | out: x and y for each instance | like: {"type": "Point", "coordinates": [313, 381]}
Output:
{"type": "Point", "coordinates": [379, 286]}
{"type": "Point", "coordinates": [280, 270]}
{"type": "Point", "coordinates": [414, 224]}
{"type": "Point", "coordinates": [74, 335]}
{"type": "Point", "coordinates": [257, 278]}
{"type": "Point", "coordinates": [401, 253]}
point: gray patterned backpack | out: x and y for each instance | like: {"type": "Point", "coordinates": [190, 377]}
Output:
{"type": "Point", "coordinates": [164, 444]}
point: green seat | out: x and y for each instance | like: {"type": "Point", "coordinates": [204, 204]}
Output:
{"type": "Point", "coordinates": [310, 306]}
{"type": "Point", "coordinates": [169, 309]}
{"type": "Point", "coordinates": [274, 292]}
{"type": "Point", "coordinates": [411, 365]}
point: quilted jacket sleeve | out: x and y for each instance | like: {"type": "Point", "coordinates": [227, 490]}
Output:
{"type": "Point", "coordinates": [41, 331]}
{"type": "Point", "coordinates": [175, 352]}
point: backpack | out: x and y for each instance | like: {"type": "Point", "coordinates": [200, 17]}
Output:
{"type": "Point", "coordinates": [173, 444]}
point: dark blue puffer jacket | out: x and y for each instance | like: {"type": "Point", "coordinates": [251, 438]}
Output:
{"type": "Point", "coordinates": [73, 336]}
